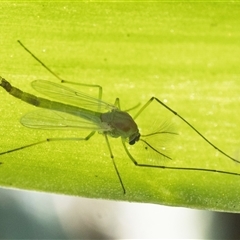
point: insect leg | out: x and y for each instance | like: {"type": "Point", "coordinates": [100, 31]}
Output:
{"type": "Point", "coordinates": [132, 108]}
{"type": "Point", "coordinates": [117, 104]}
{"type": "Point", "coordinates": [175, 168]}
{"type": "Point", "coordinates": [62, 80]}
{"type": "Point", "coordinates": [184, 120]}
{"type": "Point", "coordinates": [49, 140]}
{"type": "Point", "coordinates": [86, 85]}
{"type": "Point", "coordinates": [38, 60]}
{"type": "Point", "coordinates": [114, 164]}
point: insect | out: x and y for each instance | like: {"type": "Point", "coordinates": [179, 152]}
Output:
{"type": "Point", "coordinates": [77, 110]}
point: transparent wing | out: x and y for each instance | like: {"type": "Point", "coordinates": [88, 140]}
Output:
{"type": "Point", "coordinates": [49, 119]}
{"type": "Point", "coordinates": [70, 96]}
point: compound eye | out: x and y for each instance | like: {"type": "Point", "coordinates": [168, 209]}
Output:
{"type": "Point", "coordinates": [135, 139]}
{"type": "Point", "coordinates": [132, 142]}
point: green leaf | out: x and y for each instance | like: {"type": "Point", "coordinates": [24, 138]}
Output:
{"type": "Point", "coordinates": [186, 54]}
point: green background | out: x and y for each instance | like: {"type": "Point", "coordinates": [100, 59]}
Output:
{"type": "Point", "coordinates": [186, 54]}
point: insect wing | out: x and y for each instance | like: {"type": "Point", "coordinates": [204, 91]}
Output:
{"type": "Point", "coordinates": [70, 96]}
{"type": "Point", "coordinates": [49, 119]}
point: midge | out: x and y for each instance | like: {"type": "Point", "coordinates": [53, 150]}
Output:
{"type": "Point", "coordinates": [74, 110]}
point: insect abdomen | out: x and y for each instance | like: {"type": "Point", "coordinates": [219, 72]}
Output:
{"type": "Point", "coordinates": [26, 97]}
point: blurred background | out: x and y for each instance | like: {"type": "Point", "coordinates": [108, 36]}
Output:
{"type": "Point", "coordinates": [25, 214]}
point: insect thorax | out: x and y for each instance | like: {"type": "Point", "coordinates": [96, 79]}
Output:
{"type": "Point", "coordinates": [122, 125]}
